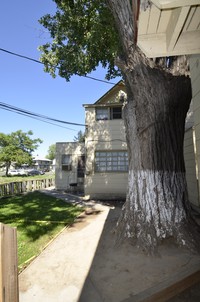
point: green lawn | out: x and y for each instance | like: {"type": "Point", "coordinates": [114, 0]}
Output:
{"type": "Point", "coordinates": [7, 179]}
{"type": "Point", "coordinates": [38, 219]}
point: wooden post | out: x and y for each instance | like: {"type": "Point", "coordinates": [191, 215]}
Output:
{"type": "Point", "coordinates": [9, 291]}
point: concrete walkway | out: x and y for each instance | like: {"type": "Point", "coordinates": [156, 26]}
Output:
{"type": "Point", "coordinates": [68, 197]}
{"type": "Point", "coordinates": [59, 272]}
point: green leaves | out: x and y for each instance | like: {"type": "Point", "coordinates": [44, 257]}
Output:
{"type": "Point", "coordinates": [17, 147]}
{"type": "Point", "coordinates": [83, 36]}
{"type": "Point", "coordinates": [51, 152]}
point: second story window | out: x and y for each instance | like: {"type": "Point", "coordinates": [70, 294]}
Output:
{"type": "Point", "coordinates": [102, 114]}
{"type": "Point", "coordinates": [111, 113]}
{"type": "Point", "coordinates": [116, 113]}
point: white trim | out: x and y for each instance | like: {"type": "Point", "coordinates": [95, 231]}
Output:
{"type": "Point", "coordinates": [166, 4]}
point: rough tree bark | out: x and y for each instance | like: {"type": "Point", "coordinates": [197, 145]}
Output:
{"type": "Point", "coordinates": [157, 205]}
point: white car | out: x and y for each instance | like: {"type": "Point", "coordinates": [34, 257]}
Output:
{"type": "Point", "coordinates": [17, 172]}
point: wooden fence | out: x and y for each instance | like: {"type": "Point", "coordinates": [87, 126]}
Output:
{"type": "Point", "coordinates": [8, 264]}
{"type": "Point", "coordinates": [19, 187]}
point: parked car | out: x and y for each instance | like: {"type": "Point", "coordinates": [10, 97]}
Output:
{"type": "Point", "coordinates": [17, 172]}
{"type": "Point", "coordinates": [34, 172]}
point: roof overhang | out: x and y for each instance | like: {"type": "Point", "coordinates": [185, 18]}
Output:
{"type": "Point", "coordinates": [169, 28]}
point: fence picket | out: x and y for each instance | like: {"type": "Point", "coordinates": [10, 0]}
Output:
{"type": "Point", "coordinates": [8, 264]}
{"type": "Point", "coordinates": [19, 187]}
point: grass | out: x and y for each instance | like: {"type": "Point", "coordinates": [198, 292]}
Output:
{"type": "Point", "coordinates": [38, 219]}
{"type": "Point", "coordinates": [7, 179]}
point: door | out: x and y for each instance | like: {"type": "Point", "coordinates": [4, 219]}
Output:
{"type": "Point", "coordinates": [81, 166]}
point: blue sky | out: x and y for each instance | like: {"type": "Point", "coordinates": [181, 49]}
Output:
{"type": "Point", "coordinates": [25, 85]}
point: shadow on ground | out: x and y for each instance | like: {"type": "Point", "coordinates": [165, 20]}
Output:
{"type": "Point", "coordinates": [36, 213]}
{"type": "Point", "coordinates": [120, 273]}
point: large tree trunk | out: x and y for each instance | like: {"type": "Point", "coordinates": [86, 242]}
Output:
{"type": "Point", "coordinates": [157, 205]}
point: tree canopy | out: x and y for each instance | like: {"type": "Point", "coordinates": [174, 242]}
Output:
{"type": "Point", "coordinates": [17, 147]}
{"type": "Point", "coordinates": [84, 36]}
{"type": "Point", "coordinates": [51, 152]}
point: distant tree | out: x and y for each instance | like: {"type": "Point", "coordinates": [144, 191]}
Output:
{"type": "Point", "coordinates": [80, 137]}
{"type": "Point", "coordinates": [51, 152]}
{"type": "Point", "coordinates": [17, 147]}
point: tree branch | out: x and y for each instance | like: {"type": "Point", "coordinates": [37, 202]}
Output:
{"type": "Point", "coordinates": [125, 23]}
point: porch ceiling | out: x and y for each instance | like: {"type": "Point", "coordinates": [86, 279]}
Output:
{"type": "Point", "coordinates": [170, 27]}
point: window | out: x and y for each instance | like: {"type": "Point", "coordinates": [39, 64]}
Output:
{"type": "Point", "coordinates": [102, 114]}
{"type": "Point", "coordinates": [116, 113]}
{"type": "Point", "coordinates": [111, 161]}
{"type": "Point", "coordinates": [66, 162]}
{"type": "Point", "coordinates": [108, 113]}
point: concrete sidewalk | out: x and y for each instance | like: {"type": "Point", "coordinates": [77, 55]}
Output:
{"type": "Point", "coordinates": [59, 272]}
{"type": "Point", "coordinates": [68, 197]}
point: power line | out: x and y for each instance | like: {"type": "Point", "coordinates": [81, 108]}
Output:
{"type": "Point", "coordinates": [37, 61]}
{"type": "Point", "coordinates": [4, 105]}
{"type": "Point", "coordinates": [35, 115]}
{"type": "Point", "coordinates": [39, 119]}
{"type": "Point", "coordinates": [21, 56]}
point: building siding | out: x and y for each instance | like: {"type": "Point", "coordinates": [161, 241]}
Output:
{"type": "Point", "coordinates": [190, 165]}
{"type": "Point", "coordinates": [104, 135]}
{"type": "Point", "coordinates": [63, 179]}
{"type": "Point", "coordinates": [107, 186]}
{"type": "Point", "coordinates": [195, 80]}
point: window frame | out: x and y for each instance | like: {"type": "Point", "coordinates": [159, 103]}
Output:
{"type": "Point", "coordinates": [112, 113]}
{"type": "Point", "coordinates": [66, 165]}
{"type": "Point", "coordinates": [98, 115]}
{"type": "Point", "coordinates": [113, 161]}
